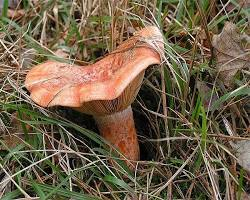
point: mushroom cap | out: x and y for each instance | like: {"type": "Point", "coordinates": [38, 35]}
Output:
{"type": "Point", "coordinates": [107, 86]}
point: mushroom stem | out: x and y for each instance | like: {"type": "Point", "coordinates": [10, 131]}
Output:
{"type": "Point", "coordinates": [119, 130]}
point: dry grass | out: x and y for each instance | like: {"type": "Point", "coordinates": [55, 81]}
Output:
{"type": "Point", "coordinates": [186, 152]}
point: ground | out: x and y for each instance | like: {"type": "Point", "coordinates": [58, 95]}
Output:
{"type": "Point", "coordinates": [191, 113]}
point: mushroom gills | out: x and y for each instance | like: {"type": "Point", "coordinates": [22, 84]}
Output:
{"type": "Point", "coordinates": [107, 107]}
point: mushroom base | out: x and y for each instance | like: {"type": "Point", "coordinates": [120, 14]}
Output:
{"type": "Point", "coordinates": [119, 130]}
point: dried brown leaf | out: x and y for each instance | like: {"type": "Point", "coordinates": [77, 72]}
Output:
{"type": "Point", "coordinates": [13, 4]}
{"type": "Point", "coordinates": [242, 152]}
{"type": "Point", "coordinates": [229, 52]}
{"type": "Point", "coordinates": [241, 148]}
{"type": "Point", "coordinates": [10, 141]}
{"type": "Point", "coordinates": [61, 54]}
{"type": "Point", "coordinates": [245, 196]}
{"type": "Point", "coordinates": [14, 14]}
{"type": "Point", "coordinates": [26, 57]}
{"type": "Point", "coordinates": [244, 3]}
{"type": "Point", "coordinates": [241, 4]}
{"type": "Point", "coordinates": [207, 94]}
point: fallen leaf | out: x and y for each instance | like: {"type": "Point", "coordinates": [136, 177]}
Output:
{"type": "Point", "coordinates": [229, 52]}
{"type": "Point", "coordinates": [10, 141]}
{"type": "Point", "coordinates": [245, 196]}
{"type": "Point", "coordinates": [241, 148]}
{"type": "Point", "coordinates": [61, 53]}
{"type": "Point", "coordinates": [26, 57]}
{"type": "Point", "coordinates": [11, 3]}
{"type": "Point", "coordinates": [202, 37]}
{"type": "Point", "coordinates": [15, 10]}
{"type": "Point", "coordinates": [242, 153]}
{"type": "Point", "coordinates": [14, 14]}
{"type": "Point", "coordinates": [207, 94]}
{"type": "Point", "coordinates": [244, 3]}
{"type": "Point", "coordinates": [241, 4]}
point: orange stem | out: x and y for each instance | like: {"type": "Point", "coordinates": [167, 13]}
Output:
{"type": "Point", "coordinates": [119, 130]}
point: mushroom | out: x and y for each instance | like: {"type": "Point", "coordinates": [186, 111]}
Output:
{"type": "Point", "coordinates": [104, 89]}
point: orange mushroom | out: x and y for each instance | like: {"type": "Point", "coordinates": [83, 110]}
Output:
{"type": "Point", "coordinates": [104, 89]}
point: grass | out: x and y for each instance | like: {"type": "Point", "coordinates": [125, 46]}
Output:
{"type": "Point", "coordinates": [56, 154]}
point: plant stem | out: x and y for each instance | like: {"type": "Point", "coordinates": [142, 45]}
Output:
{"type": "Point", "coordinates": [119, 130]}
